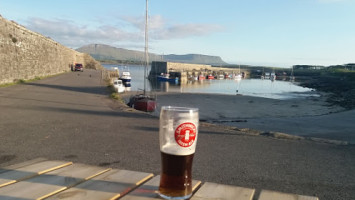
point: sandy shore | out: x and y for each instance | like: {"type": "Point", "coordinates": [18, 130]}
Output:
{"type": "Point", "coordinates": [307, 117]}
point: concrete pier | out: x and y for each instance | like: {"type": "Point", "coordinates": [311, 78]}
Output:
{"type": "Point", "coordinates": [184, 71]}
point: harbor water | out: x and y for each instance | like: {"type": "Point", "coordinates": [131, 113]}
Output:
{"type": "Point", "coordinates": [266, 88]}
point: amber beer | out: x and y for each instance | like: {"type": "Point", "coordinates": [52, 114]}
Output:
{"type": "Point", "coordinates": [175, 178]}
{"type": "Point", "coordinates": [178, 137]}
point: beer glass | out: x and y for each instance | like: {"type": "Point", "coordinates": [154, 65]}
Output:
{"type": "Point", "coordinates": [178, 132]}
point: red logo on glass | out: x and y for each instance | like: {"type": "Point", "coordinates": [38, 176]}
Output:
{"type": "Point", "coordinates": [185, 134]}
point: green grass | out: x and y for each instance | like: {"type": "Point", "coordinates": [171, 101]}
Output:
{"type": "Point", "coordinates": [114, 95]}
{"type": "Point", "coordinates": [8, 84]}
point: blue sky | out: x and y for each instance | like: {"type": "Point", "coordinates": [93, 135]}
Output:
{"type": "Point", "coordinates": [258, 32]}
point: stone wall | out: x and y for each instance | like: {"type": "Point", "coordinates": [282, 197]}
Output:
{"type": "Point", "coordinates": [159, 67]}
{"type": "Point", "coordinates": [25, 54]}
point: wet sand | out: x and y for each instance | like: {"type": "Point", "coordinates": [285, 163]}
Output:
{"type": "Point", "coordinates": [308, 117]}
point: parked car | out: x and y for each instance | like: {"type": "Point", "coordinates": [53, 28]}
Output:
{"type": "Point", "coordinates": [78, 67]}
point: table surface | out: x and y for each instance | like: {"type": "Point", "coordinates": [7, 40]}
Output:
{"type": "Point", "coordinates": [51, 179]}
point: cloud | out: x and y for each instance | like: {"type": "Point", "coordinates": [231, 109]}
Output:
{"type": "Point", "coordinates": [71, 34]}
{"type": "Point", "coordinates": [185, 30]}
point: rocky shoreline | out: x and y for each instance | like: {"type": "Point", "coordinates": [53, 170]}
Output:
{"type": "Point", "coordinates": [341, 88]}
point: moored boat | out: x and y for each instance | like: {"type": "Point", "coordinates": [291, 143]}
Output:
{"type": "Point", "coordinates": [163, 77]}
{"type": "Point", "coordinates": [166, 77]}
{"type": "Point", "coordinates": [201, 77]}
{"type": "Point", "coordinates": [144, 102]}
{"type": "Point", "coordinates": [238, 77]}
{"type": "Point", "coordinates": [126, 78]}
{"type": "Point", "coordinates": [210, 77]}
{"type": "Point", "coordinates": [273, 76]}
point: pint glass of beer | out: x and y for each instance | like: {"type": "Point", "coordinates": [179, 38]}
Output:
{"type": "Point", "coordinates": [178, 132]}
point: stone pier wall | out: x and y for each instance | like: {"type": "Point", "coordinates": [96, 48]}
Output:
{"type": "Point", "coordinates": [25, 54]}
{"type": "Point", "coordinates": [185, 69]}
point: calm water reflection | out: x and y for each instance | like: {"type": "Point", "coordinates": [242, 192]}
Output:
{"type": "Point", "coordinates": [252, 87]}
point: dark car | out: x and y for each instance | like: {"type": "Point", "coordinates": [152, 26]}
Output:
{"type": "Point", "coordinates": [78, 67]}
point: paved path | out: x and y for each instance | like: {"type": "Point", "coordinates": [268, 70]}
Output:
{"type": "Point", "coordinates": [70, 117]}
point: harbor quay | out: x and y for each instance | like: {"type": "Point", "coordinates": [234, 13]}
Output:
{"type": "Point", "coordinates": [187, 71]}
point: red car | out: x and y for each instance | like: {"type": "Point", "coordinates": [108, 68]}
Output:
{"type": "Point", "coordinates": [78, 67]}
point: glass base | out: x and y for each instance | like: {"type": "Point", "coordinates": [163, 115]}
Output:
{"type": "Point", "coordinates": [168, 197]}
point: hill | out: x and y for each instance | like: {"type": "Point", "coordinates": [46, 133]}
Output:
{"type": "Point", "coordinates": [103, 52]}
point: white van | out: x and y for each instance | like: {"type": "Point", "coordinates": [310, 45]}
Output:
{"type": "Point", "coordinates": [118, 85]}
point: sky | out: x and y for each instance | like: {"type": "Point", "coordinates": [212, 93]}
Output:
{"type": "Point", "coordinates": [278, 33]}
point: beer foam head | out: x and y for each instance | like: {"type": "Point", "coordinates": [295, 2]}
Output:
{"type": "Point", "coordinates": [178, 130]}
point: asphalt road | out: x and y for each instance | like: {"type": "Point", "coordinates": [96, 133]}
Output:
{"type": "Point", "coordinates": [70, 117]}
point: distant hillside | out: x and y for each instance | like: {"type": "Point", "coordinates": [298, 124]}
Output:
{"type": "Point", "coordinates": [195, 58]}
{"type": "Point", "coordinates": [105, 52]}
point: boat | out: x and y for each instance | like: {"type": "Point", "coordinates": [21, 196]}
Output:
{"type": "Point", "coordinates": [210, 77]}
{"type": "Point", "coordinates": [220, 76]}
{"type": "Point", "coordinates": [201, 77]}
{"type": "Point", "coordinates": [192, 78]}
{"type": "Point", "coordinates": [238, 76]}
{"type": "Point", "coordinates": [118, 85]}
{"type": "Point", "coordinates": [273, 76]}
{"type": "Point", "coordinates": [166, 77]}
{"type": "Point", "coordinates": [126, 78]}
{"type": "Point", "coordinates": [163, 77]}
{"type": "Point", "coordinates": [144, 102]}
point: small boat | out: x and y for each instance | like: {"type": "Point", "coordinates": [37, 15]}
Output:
{"type": "Point", "coordinates": [201, 77]}
{"type": "Point", "coordinates": [238, 77]}
{"type": "Point", "coordinates": [220, 76]}
{"type": "Point", "coordinates": [144, 102]}
{"type": "Point", "coordinates": [273, 76]}
{"type": "Point", "coordinates": [166, 77]}
{"type": "Point", "coordinates": [192, 78]}
{"type": "Point", "coordinates": [118, 85]}
{"type": "Point", "coordinates": [210, 77]}
{"type": "Point", "coordinates": [126, 78]}
{"type": "Point", "coordinates": [163, 77]}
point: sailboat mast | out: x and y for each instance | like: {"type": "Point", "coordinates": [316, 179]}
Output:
{"type": "Point", "coordinates": [146, 45]}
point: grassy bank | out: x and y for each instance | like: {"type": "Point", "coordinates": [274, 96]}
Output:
{"type": "Point", "coordinates": [20, 81]}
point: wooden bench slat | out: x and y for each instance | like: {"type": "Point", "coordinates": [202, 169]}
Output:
{"type": "Point", "coordinates": [48, 184]}
{"type": "Point", "coordinates": [149, 190]}
{"type": "Point", "coordinates": [225, 192]}
{"type": "Point", "coordinates": [24, 171]}
{"type": "Point", "coordinates": [272, 195]}
{"type": "Point", "coordinates": [106, 186]}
